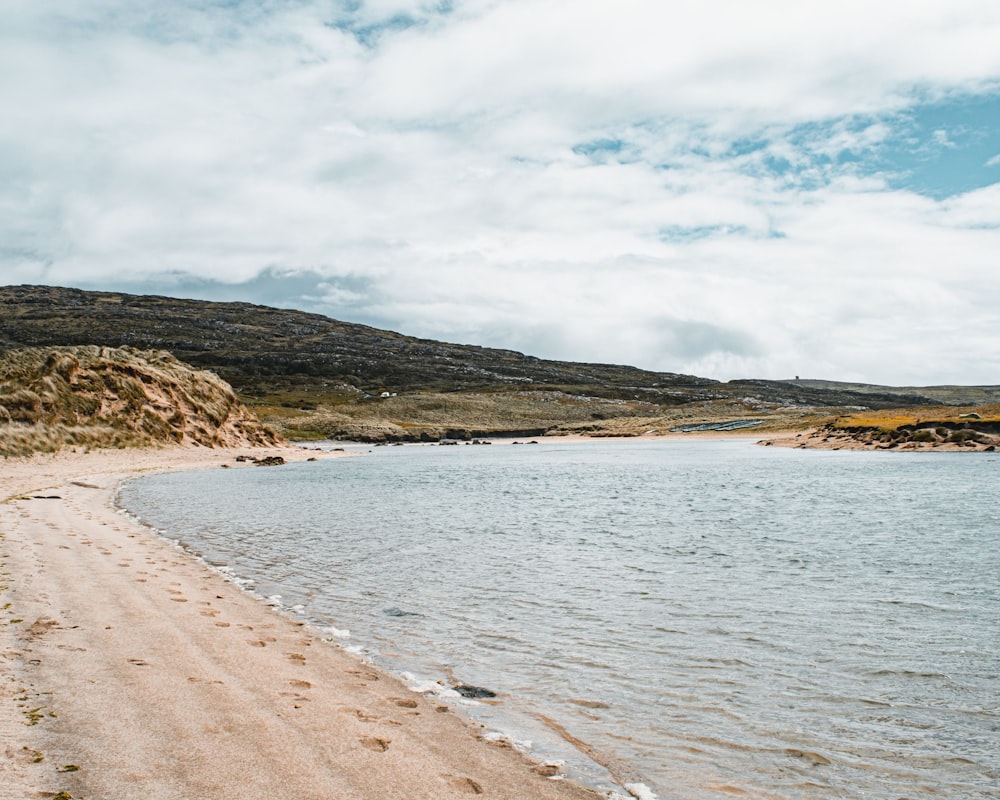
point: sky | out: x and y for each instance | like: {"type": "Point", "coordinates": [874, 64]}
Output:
{"type": "Point", "coordinates": [725, 189]}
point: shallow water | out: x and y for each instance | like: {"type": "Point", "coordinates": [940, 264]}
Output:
{"type": "Point", "coordinates": [710, 617]}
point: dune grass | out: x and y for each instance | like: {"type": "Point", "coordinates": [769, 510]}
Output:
{"type": "Point", "coordinates": [88, 396]}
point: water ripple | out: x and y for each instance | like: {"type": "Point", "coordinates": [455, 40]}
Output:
{"type": "Point", "coordinates": [722, 618]}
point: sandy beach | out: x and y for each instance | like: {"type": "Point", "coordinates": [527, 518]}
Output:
{"type": "Point", "coordinates": [128, 669]}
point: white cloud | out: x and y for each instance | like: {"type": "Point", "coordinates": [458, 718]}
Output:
{"type": "Point", "coordinates": [456, 166]}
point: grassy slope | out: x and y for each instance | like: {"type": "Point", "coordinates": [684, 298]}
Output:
{"type": "Point", "coordinates": [88, 396]}
{"type": "Point", "coordinates": [428, 417]}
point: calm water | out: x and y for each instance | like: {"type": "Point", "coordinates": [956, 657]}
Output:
{"type": "Point", "coordinates": [709, 617]}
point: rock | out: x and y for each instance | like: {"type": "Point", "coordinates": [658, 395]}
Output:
{"type": "Point", "coordinates": [476, 692]}
{"type": "Point", "coordinates": [269, 461]}
{"type": "Point", "coordinates": [398, 612]}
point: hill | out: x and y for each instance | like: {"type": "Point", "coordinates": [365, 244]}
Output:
{"type": "Point", "coordinates": [91, 396]}
{"type": "Point", "coordinates": [944, 394]}
{"type": "Point", "coordinates": [318, 377]}
{"type": "Point", "coordinates": [261, 350]}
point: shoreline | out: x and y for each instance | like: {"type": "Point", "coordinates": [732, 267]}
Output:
{"type": "Point", "coordinates": [128, 667]}
{"type": "Point", "coordinates": [575, 438]}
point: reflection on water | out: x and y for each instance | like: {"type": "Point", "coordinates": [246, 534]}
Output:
{"type": "Point", "coordinates": [711, 617]}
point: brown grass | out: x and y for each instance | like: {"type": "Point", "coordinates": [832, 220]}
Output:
{"type": "Point", "coordinates": [431, 416]}
{"type": "Point", "coordinates": [891, 420]}
{"type": "Point", "coordinates": [52, 398]}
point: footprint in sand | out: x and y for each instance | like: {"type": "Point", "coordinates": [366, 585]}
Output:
{"type": "Point", "coordinates": [376, 744]}
{"type": "Point", "coordinates": [404, 702]}
{"type": "Point", "coordinates": [466, 785]}
{"type": "Point", "coordinates": [300, 684]}
{"type": "Point", "coordinates": [298, 698]}
{"type": "Point", "coordinates": [221, 624]}
{"type": "Point", "coordinates": [296, 658]}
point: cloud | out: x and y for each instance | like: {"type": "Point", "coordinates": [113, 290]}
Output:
{"type": "Point", "coordinates": [701, 188]}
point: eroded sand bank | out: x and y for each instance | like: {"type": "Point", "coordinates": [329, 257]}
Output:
{"type": "Point", "coordinates": [130, 670]}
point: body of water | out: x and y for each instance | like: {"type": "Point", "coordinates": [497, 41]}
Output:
{"type": "Point", "coordinates": [709, 618]}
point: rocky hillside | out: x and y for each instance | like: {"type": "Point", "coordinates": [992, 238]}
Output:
{"type": "Point", "coordinates": [281, 356]}
{"type": "Point", "coordinates": [945, 394]}
{"type": "Point", "coordinates": [55, 397]}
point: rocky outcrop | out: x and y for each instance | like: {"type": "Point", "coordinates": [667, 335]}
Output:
{"type": "Point", "coordinates": [971, 435]}
{"type": "Point", "coordinates": [53, 397]}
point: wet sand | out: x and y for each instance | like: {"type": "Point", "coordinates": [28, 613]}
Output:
{"type": "Point", "coordinates": [129, 669]}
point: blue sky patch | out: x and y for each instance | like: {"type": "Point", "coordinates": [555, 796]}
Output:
{"type": "Point", "coordinates": [946, 148]}
{"type": "Point", "coordinates": [369, 35]}
{"type": "Point", "coordinates": [938, 149]}
{"type": "Point", "coordinates": [600, 149]}
{"type": "Point", "coordinates": [692, 233]}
